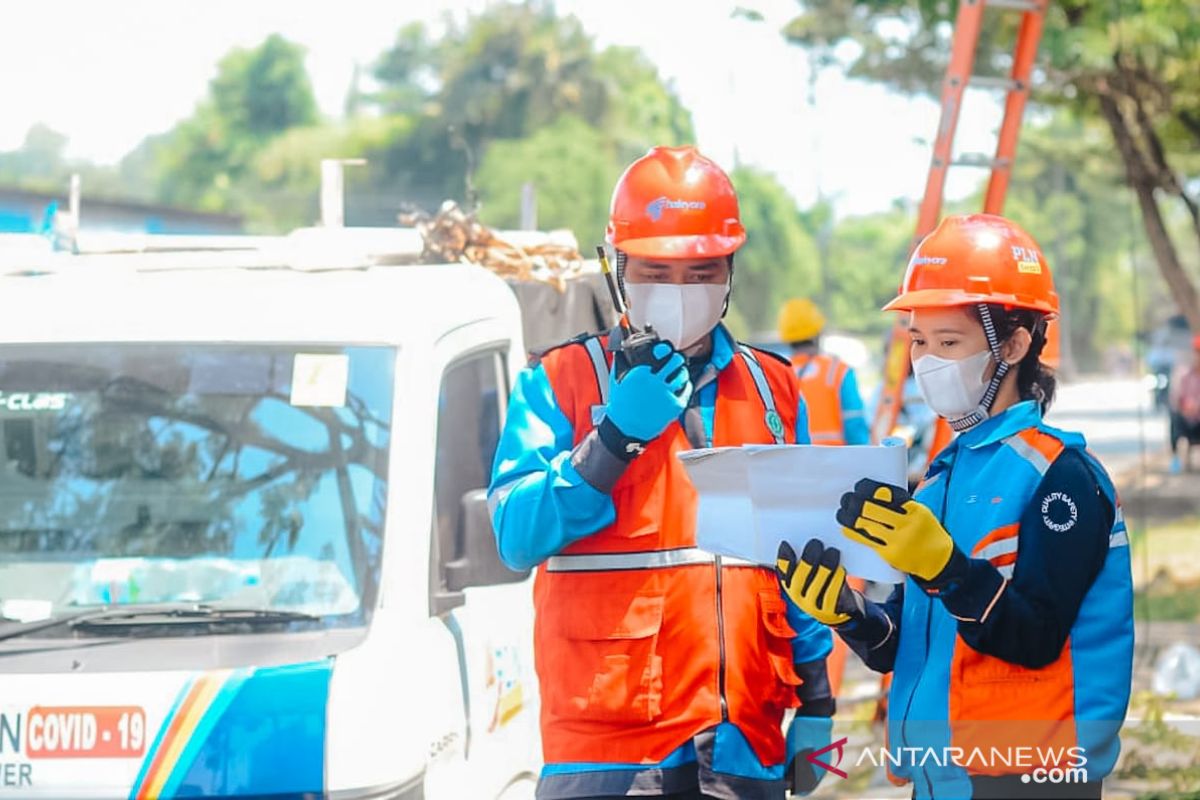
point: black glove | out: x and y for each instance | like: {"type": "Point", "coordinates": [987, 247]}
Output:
{"type": "Point", "coordinates": [816, 583]}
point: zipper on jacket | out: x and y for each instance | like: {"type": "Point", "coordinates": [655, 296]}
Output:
{"type": "Point", "coordinates": [700, 435]}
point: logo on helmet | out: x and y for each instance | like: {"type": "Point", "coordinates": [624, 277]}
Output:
{"type": "Point", "coordinates": [1028, 260]}
{"type": "Point", "coordinates": [656, 207]}
{"type": "Point", "coordinates": [921, 260]}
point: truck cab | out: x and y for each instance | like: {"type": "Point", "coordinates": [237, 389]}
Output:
{"type": "Point", "coordinates": [244, 542]}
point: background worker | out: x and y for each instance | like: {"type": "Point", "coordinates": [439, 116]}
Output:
{"type": "Point", "coordinates": [1183, 405]}
{"type": "Point", "coordinates": [835, 407]}
{"type": "Point", "coordinates": [1014, 628]}
{"type": "Point", "coordinates": [664, 670]}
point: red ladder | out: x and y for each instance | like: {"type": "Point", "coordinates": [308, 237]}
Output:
{"type": "Point", "coordinates": [967, 27]}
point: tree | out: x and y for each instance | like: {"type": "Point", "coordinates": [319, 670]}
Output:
{"type": "Point", "coordinates": [1134, 65]}
{"type": "Point", "coordinates": [264, 91]}
{"type": "Point", "coordinates": [1066, 175]}
{"type": "Point", "coordinates": [503, 76]}
{"type": "Point", "coordinates": [257, 94]}
{"type": "Point", "coordinates": [39, 160]}
{"type": "Point", "coordinates": [867, 257]}
{"type": "Point", "coordinates": [779, 259]}
{"type": "Point", "coordinates": [515, 94]}
{"type": "Point", "coordinates": [571, 166]}
{"type": "Point", "coordinates": [281, 188]}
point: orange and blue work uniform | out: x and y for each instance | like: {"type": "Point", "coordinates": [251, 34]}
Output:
{"type": "Point", "coordinates": [662, 668]}
{"type": "Point", "coordinates": [835, 406]}
{"type": "Point", "coordinates": [1032, 644]}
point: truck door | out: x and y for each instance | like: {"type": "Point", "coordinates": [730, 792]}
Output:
{"type": "Point", "coordinates": [487, 608]}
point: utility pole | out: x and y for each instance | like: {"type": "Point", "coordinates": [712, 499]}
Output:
{"type": "Point", "coordinates": [529, 207]}
{"type": "Point", "coordinates": [333, 190]}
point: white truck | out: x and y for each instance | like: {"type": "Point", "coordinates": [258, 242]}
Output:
{"type": "Point", "coordinates": [244, 544]}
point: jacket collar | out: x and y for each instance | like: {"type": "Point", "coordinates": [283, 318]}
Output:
{"type": "Point", "coordinates": [1013, 420]}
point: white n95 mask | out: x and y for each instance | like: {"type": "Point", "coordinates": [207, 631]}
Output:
{"type": "Point", "coordinates": [953, 389]}
{"type": "Point", "coordinates": [683, 314]}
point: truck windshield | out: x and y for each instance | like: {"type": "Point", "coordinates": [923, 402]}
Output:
{"type": "Point", "coordinates": [248, 475]}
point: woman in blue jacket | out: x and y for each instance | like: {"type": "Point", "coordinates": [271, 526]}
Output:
{"type": "Point", "coordinates": [1011, 639]}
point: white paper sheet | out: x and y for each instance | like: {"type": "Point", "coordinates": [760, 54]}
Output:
{"type": "Point", "coordinates": [754, 497]}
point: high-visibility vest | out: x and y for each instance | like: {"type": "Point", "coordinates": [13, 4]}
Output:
{"type": "Point", "coordinates": [641, 640]}
{"type": "Point", "coordinates": [821, 377]}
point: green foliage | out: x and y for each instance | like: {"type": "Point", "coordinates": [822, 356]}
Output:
{"type": "Point", "coordinates": [263, 91]}
{"type": "Point", "coordinates": [1131, 65]}
{"type": "Point", "coordinates": [38, 161]}
{"type": "Point", "coordinates": [282, 185]}
{"type": "Point", "coordinates": [571, 166]}
{"type": "Point", "coordinates": [867, 259]}
{"type": "Point", "coordinates": [1159, 753]}
{"type": "Point", "coordinates": [258, 93]}
{"type": "Point", "coordinates": [780, 258]}
{"type": "Point", "coordinates": [501, 81]}
{"type": "Point", "coordinates": [647, 111]}
{"type": "Point", "coordinates": [1067, 192]}
{"type": "Point", "coordinates": [41, 164]}
{"type": "Point", "coordinates": [512, 95]}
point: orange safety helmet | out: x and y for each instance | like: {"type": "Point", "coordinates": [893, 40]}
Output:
{"type": "Point", "coordinates": [675, 203]}
{"type": "Point", "coordinates": [977, 258]}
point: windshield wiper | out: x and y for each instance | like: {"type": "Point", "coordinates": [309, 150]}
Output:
{"type": "Point", "coordinates": [15, 630]}
{"type": "Point", "coordinates": [109, 618]}
{"type": "Point", "coordinates": [189, 615]}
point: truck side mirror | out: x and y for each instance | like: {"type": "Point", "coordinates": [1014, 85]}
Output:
{"type": "Point", "coordinates": [479, 561]}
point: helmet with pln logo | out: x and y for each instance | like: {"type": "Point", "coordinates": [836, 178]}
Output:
{"type": "Point", "coordinates": [972, 259]}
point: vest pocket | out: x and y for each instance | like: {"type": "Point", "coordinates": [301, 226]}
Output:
{"type": "Point", "coordinates": [779, 634]}
{"type": "Point", "coordinates": [611, 671]}
{"type": "Point", "coordinates": [994, 703]}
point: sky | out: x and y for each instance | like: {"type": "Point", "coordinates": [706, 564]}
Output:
{"type": "Point", "coordinates": [107, 73]}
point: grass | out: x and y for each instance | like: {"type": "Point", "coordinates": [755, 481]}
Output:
{"type": "Point", "coordinates": [1166, 571]}
{"type": "Point", "coordinates": [1159, 753]}
{"type": "Point", "coordinates": [1171, 604]}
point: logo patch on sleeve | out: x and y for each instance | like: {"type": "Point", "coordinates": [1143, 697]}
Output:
{"type": "Point", "coordinates": [1059, 512]}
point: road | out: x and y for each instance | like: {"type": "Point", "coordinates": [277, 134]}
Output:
{"type": "Point", "coordinates": [1116, 416]}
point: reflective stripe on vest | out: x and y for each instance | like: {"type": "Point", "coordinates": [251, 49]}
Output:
{"type": "Point", "coordinates": [764, 393]}
{"type": "Point", "coordinates": [651, 559]}
{"type": "Point", "coordinates": [600, 365]}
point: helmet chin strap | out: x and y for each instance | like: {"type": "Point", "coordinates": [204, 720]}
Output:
{"type": "Point", "coordinates": [993, 388]}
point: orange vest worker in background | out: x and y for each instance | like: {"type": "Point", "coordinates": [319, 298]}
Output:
{"type": "Point", "coordinates": [664, 670]}
{"type": "Point", "coordinates": [830, 388]}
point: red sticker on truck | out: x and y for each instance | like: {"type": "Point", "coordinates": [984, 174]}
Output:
{"type": "Point", "coordinates": [85, 732]}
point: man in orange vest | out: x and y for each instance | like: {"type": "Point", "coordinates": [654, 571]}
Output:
{"type": "Point", "coordinates": [835, 408]}
{"type": "Point", "coordinates": [664, 670]}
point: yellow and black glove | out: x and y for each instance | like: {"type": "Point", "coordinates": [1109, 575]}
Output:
{"type": "Point", "coordinates": [816, 583]}
{"type": "Point", "coordinates": [905, 533]}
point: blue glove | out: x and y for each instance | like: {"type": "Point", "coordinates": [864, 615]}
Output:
{"type": "Point", "coordinates": [806, 735]}
{"type": "Point", "coordinates": [650, 397]}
